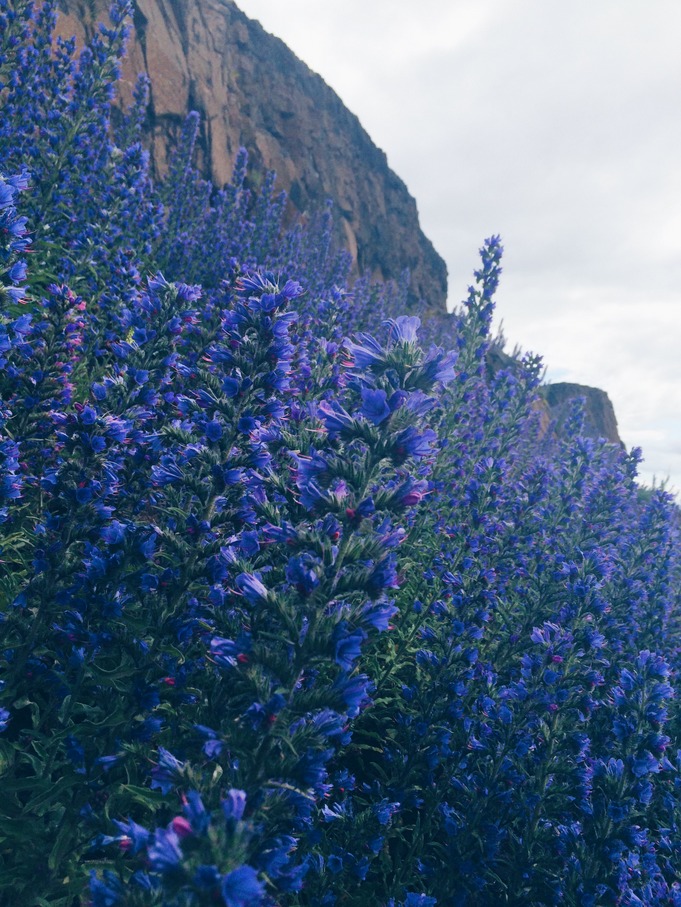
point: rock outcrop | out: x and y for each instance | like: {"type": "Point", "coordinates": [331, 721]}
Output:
{"type": "Point", "coordinates": [555, 401]}
{"type": "Point", "coordinates": [252, 91]}
{"type": "Point", "coordinates": [599, 414]}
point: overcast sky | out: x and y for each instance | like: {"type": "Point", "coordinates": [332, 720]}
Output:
{"type": "Point", "coordinates": [557, 125]}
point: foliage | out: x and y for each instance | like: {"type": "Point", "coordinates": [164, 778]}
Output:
{"type": "Point", "coordinates": [295, 610]}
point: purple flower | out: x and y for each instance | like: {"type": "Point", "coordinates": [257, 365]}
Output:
{"type": "Point", "coordinates": [252, 588]}
{"type": "Point", "coordinates": [167, 472]}
{"type": "Point", "coordinates": [167, 772]}
{"type": "Point", "coordinates": [404, 328]}
{"type": "Point", "coordinates": [213, 430]}
{"type": "Point", "coordinates": [334, 417]}
{"type": "Point", "coordinates": [353, 691]}
{"type": "Point", "coordinates": [234, 804]}
{"type": "Point", "coordinates": [299, 573]}
{"type": "Point", "coordinates": [383, 576]}
{"type": "Point", "coordinates": [224, 652]}
{"type": "Point", "coordinates": [242, 888]}
{"type": "Point", "coordinates": [195, 811]}
{"type": "Point", "coordinates": [366, 352]}
{"type": "Point", "coordinates": [165, 854]}
{"type": "Point", "coordinates": [181, 827]}
{"type": "Point", "coordinates": [378, 614]}
{"type": "Point", "coordinates": [107, 891]}
{"type": "Point", "coordinates": [113, 533]}
{"type": "Point", "coordinates": [374, 405]}
{"type": "Point", "coordinates": [364, 509]}
{"type": "Point", "coordinates": [348, 646]}
{"type": "Point", "coordinates": [4, 719]}
{"type": "Point", "coordinates": [410, 492]}
{"type": "Point", "coordinates": [135, 837]}
{"type": "Point", "coordinates": [409, 443]}
{"type": "Point", "coordinates": [439, 366]}
{"type": "Point", "coordinates": [213, 745]}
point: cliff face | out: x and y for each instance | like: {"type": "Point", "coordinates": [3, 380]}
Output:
{"type": "Point", "coordinates": [252, 91]}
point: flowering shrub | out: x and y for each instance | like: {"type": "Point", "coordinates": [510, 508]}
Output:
{"type": "Point", "coordinates": [297, 607]}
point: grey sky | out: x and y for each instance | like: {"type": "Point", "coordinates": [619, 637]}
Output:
{"type": "Point", "coordinates": [557, 125]}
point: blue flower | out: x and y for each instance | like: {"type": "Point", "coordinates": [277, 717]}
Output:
{"type": "Point", "coordinates": [300, 574]}
{"type": "Point", "coordinates": [196, 813]}
{"type": "Point", "coordinates": [311, 767]}
{"type": "Point", "coordinates": [366, 352]}
{"type": "Point", "coordinates": [383, 576]}
{"type": "Point", "coordinates": [166, 774]}
{"type": "Point", "coordinates": [135, 836]}
{"type": "Point", "coordinates": [419, 900]}
{"type": "Point", "coordinates": [252, 588]}
{"type": "Point", "coordinates": [213, 430]}
{"type": "Point", "coordinates": [231, 386]}
{"type": "Point", "coordinates": [404, 328]}
{"type": "Point", "coordinates": [348, 646]}
{"type": "Point", "coordinates": [644, 764]}
{"type": "Point", "coordinates": [242, 888]}
{"type": "Point", "coordinates": [107, 891]}
{"type": "Point", "coordinates": [410, 443]}
{"type": "Point", "coordinates": [224, 652]}
{"type": "Point", "coordinates": [353, 691]}
{"type": "Point", "coordinates": [374, 405]}
{"type": "Point", "coordinates": [165, 854]}
{"type": "Point", "coordinates": [378, 614]}
{"type": "Point", "coordinates": [113, 533]}
{"type": "Point", "coordinates": [335, 418]}
{"type": "Point", "coordinates": [234, 804]}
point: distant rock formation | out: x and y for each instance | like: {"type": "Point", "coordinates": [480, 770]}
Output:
{"type": "Point", "coordinates": [599, 414]}
{"type": "Point", "coordinates": [252, 91]}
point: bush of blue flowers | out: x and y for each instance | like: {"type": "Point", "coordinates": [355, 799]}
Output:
{"type": "Point", "coordinates": [297, 607]}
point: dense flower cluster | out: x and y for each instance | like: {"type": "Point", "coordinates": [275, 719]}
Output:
{"type": "Point", "coordinates": [297, 606]}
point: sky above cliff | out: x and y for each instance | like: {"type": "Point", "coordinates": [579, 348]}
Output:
{"type": "Point", "coordinates": [556, 125]}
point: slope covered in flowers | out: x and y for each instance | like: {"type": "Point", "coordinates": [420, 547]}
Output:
{"type": "Point", "coordinates": [296, 607]}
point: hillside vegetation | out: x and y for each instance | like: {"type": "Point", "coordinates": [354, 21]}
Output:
{"type": "Point", "coordinates": [300, 604]}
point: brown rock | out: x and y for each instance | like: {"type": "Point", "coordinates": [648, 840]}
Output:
{"type": "Point", "coordinates": [599, 422]}
{"type": "Point", "coordinates": [554, 402]}
{"type": "Point", "coordinates": [252, 91]}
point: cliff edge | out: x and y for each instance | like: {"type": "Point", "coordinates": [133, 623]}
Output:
{"type": "Point", "coordinates": [252, 91]}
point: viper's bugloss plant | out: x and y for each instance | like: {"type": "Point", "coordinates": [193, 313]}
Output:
{"type": "Point", "coordinates": [302, 601]}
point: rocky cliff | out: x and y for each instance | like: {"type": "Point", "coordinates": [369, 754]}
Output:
{"type": "Point", "coordinates": [252, 91]}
